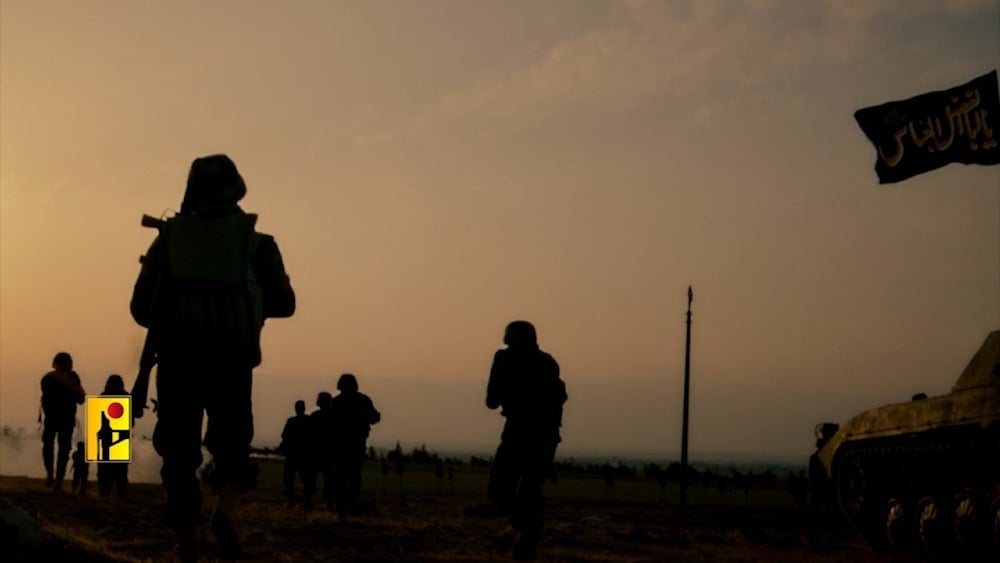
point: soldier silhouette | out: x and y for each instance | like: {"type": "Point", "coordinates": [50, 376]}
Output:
{"type": "Point", "coordinates": [295, 445]}
{"type": "Point", "coordinates": [112, 475]}
{"type": "Point", "coordinates": [524, 382]}
{"type": "Point", "coordinates": [80, 469]}
{"type": "Point", "coordinates": [352, 415]}
{"type": "Point", "coordinates": [207, 283]}
{"type": "Point", "coordinates": [320, 455]}
{"type": "Point", "coordinates": [61, 393]}
{"type": "Point", "coordinates": [821, 502]}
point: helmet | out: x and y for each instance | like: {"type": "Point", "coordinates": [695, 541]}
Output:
{"type": "Point", "coordinates": [323, 398]}
{"type": "Point", "coordinates": [520, 333]}
{"type": "Point", "coordinates": [62, 360]}
{"type": "Point", "coordinates": [347, 383]}
{"type": "Point", "coordinates": [213, 181]}
{"type": "Point", "coordinates": [114, 384]}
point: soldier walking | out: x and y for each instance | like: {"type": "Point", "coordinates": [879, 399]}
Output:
{"type": "Point", "coordinates": [352, 416]}
{"type": "Point", "coordinates": [320, 456]}
{"type": "Point", "coordinates": [207, 283]}
{"type": "Point", "coordinates": [295, 446]}
{"type": "Point", "coordinates": [524, 382]}
{"type": "Point", "coordinates": [61, 393]}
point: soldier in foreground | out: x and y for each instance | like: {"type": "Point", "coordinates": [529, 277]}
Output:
{"type": "Point", "coordinates": [61, 393]}
{"type": "Point", "coordinates": [295, 447]}
{"type": "Point", "coordinates": [207, 283]}
{"type": "Point", "coordinates": [352, 415]}
{"type": "Point", "coordinates": [524, 382]}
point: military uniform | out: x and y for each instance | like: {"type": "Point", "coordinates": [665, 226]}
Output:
{"type": "Point", "coordinates": [351, 416]}
{"type": "Point", "coordinates": [61, 393]}
{"type": "Point", "coordinates": [295, 446]}
{"type": "Point", "coordinates": [524, 381]}
{"type": "Point", "coordinates": [319, 460]}
{"type": "Point", "coordinates": [207, 283]}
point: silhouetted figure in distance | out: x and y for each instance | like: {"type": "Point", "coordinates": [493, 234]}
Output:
{"type": "Point", "coordinates": [821, 496]}
{"type": "Point", "coordinates": [80, 469]}
{"type": "Point", "coordinates": [207, 283]}
{"type": "Point", "coordinates": [524, 382]}
{"type": "Point", "coordinates": [61, 393]}
{"type": "Point", "coordinates": [352, 416]}
{"type": "Point", "coordinates": [295, 445]}
{"type": "Point", "coordinates": [320, 458]}
{"type": "Point", "coordinates": [113, 475]}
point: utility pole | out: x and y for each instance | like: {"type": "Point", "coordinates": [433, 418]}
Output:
{"type": "Point", "coordinates": [687, 387]}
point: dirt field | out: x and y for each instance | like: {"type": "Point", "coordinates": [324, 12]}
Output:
{"type": "Point", "coordinates": [422, 519]}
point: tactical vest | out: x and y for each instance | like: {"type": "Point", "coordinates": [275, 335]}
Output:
{"type": "Point", "coordinates": [214, 292]}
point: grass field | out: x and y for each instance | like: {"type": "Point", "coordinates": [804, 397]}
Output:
{"type": "Point", "coordinates": [469, 481]}
{"type": "Point", "coordinates": [419, 517]}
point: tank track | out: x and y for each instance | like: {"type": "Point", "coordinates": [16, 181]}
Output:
{"type": "Point", "coordinates": [937, 492]}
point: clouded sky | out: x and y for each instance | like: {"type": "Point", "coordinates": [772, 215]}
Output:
{"type": "Point", "coordinates": [432, 170]}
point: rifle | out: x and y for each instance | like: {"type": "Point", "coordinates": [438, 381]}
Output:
{"type": "Point", "coordinates": [140, 389]}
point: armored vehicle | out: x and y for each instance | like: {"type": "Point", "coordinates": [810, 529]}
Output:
{"type": "Point", "coordinates": [923, 474]}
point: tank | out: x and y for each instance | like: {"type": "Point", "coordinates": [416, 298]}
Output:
{"type": "Point", "coordinates": [923, 474]}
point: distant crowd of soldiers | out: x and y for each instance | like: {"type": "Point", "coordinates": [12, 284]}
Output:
{"type": "Point", "coordinates": [330, 442]}
{"type": "Point", "coordinates": [62, 391]}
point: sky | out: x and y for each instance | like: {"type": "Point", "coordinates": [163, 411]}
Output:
{"type": "Point", "coordinates": [433, 170]}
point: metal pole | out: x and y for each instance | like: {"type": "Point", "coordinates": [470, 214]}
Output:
{"type": "Point", "coordinates": [687, 386]}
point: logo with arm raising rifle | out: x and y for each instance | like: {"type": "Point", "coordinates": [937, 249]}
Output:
{"type": "Point", "coordinates": [109, 428]}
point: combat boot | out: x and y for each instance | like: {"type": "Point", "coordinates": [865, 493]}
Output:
{"type": "Point", "coordinates": [227, 541]}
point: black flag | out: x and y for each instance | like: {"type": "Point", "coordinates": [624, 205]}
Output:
{"type": "Point", "coordinates": [932, 130]}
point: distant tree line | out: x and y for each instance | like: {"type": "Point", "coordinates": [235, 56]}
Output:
{"type": "Point", "coordinates": [670, 473]}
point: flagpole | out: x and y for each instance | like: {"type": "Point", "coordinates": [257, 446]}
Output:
{"type": "Point", "coordinates": [687, 386]}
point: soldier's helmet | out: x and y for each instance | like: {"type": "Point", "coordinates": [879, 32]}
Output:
{"type": "Point", "coordinates": [213, 181]}
{"type": "Point", "coordinates": [300, 406]}
{"type": "Point", "coordinates": [323, 398]}
{"type": "Point", "coordinates": [62, 360]}
{"type": "Point", "coordinates": [114, 384]}
{"type": "Point", "coordinates": [347, 383]}
{"type": "Point", "coordinates": [520, 333]}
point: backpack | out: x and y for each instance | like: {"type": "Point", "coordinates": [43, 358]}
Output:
{"type": "Point", "coordinates": [208, 264]}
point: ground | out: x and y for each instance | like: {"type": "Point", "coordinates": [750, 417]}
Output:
{"type": "Point", "coordinates": [415, 517]}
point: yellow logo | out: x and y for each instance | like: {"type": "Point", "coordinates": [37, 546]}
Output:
{"type": "Point", "coordinates": [109, 427]}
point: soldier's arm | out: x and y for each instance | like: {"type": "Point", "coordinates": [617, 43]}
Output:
{"type": "Point", "coordinates": [561, 395]}
{"type": "Point", "coordinates": [78, 389]}
{"type": "Point", "coordinates": [285, 433]}
{"type": "Point", "coordinates": [495, 387]}
{"type": "Point", "coordinates": [279, 297]}
{"type": "Point", "coordinates": [373, 415]}
{"type": "Point", "coordinates": [144, 291]}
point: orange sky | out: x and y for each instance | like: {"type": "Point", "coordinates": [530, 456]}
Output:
{"type": "Point", "coordinates": [433, 170]}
